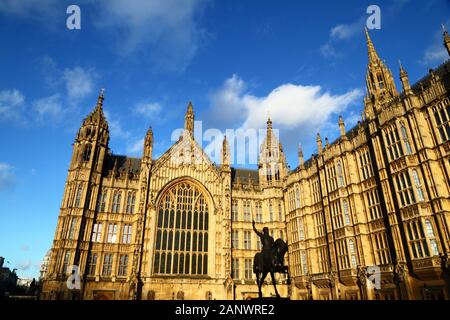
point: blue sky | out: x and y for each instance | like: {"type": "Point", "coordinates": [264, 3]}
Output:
{"type": "Point", "coordinates": [302, 62]}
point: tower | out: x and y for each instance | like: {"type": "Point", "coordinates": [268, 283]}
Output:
{"type": "Point", "coordinates": [379, 81]}
{"type": "Point", "coordinates": [76, 219]}
{"type": "Point", "coordinates": [272, 162]}
{"type": "Point", "coordinates": [301, 160]}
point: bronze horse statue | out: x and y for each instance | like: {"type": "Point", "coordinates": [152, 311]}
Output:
{"type": "Point", "coordinates": [270, 259]}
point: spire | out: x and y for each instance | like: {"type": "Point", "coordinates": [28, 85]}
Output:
{"type": "Point", "coordinates": [148, 144]}
{"type": "Point", "coordinates": [301, 160]}
{"type": "Point", "coordinates": [446, 39]}
{"type": "Point", "coordinates": [269, 132]}
{"type": "Point", "coordinates": [97, 115]}
{"type": "Point", "coordinates": [319, 143]}
{"type": "Point", "coordinates": [225, 153]}
{"type": "Point", "coordinates": [379, 80]}
{"type": "Point", "coordinates": [373, 56]}
{"type": "Point", "coordinates": [404, 79]}
{"type": "Point", "coordinates": [342, 127]}
{"type": "Point", "coordinates": [189, 119]}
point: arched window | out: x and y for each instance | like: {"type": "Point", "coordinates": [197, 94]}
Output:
{"type": "Point", "coordinates": [346, 212]}
{"type": "Point", "coordinates": [406, 140]}
{"type": "Point", "coordinates": [183, 226]}
{"type": "Point", "coordinates": [340, 174]}
{"type": "Point", "coordinates": [87, 152]}
{"type": "Point", "coordinates": [116, 201]}
{"type": "Point", "coordinates": [78, 197]}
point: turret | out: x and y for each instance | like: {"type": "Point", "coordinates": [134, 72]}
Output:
{"type": "Point", "coordinates": [189, 120]}
{"type": "Point", "coordinates": [405, 80]}
{"type": "Point", "coordinates": [301, 160]}
{"type": "Point", "coordinates": [342, 128]}
{"type": "Point", "coordinates": [319, 144]}
{"type": "Point", "coordinates": [148, 146]}
{"type": "Point", "coordinates": [225, 154]}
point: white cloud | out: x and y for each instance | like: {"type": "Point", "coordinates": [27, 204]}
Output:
{"type": "Point", "coordinates": [347, 31]}
{"type": "Point", "coordinates": [290, 106]}
{"type": "Point", "coordinates": [297, 111]}
{"type": "Point", "coordinates": [149, 110]}
{"type": "Point", "coordinates": [136, 148]}
{"type": "Point", "coordinates": [48, 106]}
{"type": "Point", "coordinates": [436, 52]}
{"type": "Point", "coordinates": [165, 31]}
{"type": "Point", "coordinates": [11, 104]}
{"type": "Point", "coordinates": [7, 176]}
{"type": "Point", "coordinates": [115, 127]}
{"type": "Point", "coordinates": [79, 82]}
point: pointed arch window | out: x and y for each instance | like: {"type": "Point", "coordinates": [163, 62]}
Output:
{"type": "Point", "coordinates": [78, 196]}
{"type": "Point", "coordinates": [417, 185]}
{"type": "Point", "coordinates": [87, 152]}
{"type": "Point", "coordinates": [131, 199]}
{"type": "Point", "coordinates": [182, 232]}
{"type": "Point", "coordinates": [116, 201]}
{"type": "Point", "coordinates": [405, 139]}
{"type": "Point", "coordinates": [340, 174]}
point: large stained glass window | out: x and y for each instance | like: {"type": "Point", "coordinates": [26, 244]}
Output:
{"type": "Point", "coordinates": [182, 232]}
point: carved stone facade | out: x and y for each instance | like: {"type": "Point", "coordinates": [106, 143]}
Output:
{"type": "Point", "coordinates": [373, 206]}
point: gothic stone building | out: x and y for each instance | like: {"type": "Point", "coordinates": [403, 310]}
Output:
{"type": "Point", "coordinates": [374, 203]}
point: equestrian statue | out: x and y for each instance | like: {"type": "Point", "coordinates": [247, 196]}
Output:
{"type": "Point", "coordinates": [270, 259]}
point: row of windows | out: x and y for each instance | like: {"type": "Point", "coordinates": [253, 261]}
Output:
{"type": "Point", "coordinates": [248, 269]}
{"type": "Point", "coordinates": [247, 211]}
{"type": "Point", "coordinates": [407, 192]}
{"type": "Point", "coordinates": [247, 243]}
{"type": "Point", "coordinates": [106, 267]}
{"type": "Point", "coordinates": [102, 204]}
{"type": "Point", "coordinates": [419, 243]}
{"type": "Point", "coordinates": [340, 216]}
{"type": "Point", "coordinates": [116, 201]}
{"type": "Point", "coordinates": [395, 145]}
{"type": "Point", "coordinates": [111, 235]}
{"type": "Point", "coordinates": [442, 117]}
{"type": "Point", "coordinates": [195, 264]}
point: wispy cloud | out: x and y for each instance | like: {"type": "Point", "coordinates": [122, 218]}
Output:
{"type": "Point", "coordinates": [7, 177]}
{"type": "Point", "coordinates": [49, 106]}
{"type": "Point", "coordinates": [165, 33]}
{"type": "Point", "coordinates": [79, 82]}
{"type": "Point", "coordinates": [136, 147]}
{"type": "Point", "coordinates": [29, 8]}
{"type": "Point", "coordinates": [346, 31]}
{"type": "Point", "coordinates": [12, 103]}
{"type": "Point", "coordinates": [149, 110]}
{"type": "Point", "coordinates": [116, 129]}
{"type": "Point", "coordinates": [436, 52]}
